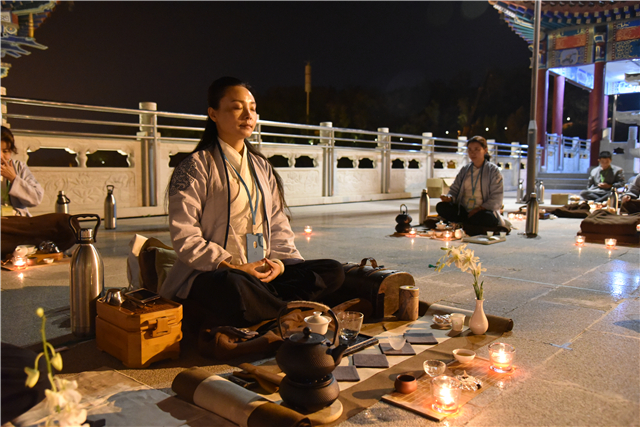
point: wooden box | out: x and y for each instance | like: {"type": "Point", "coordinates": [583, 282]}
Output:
{"type": "Point", "coordinates": [142, 335]}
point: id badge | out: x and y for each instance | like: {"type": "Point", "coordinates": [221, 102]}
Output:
{"type": "Point", "coordinates": [255, 247]}
{"type": "Point", "coordinates": [471, 204]}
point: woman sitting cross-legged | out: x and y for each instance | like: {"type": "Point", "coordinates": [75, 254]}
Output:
{"type": "Point", "coordinates": [475, 197]}
{"type": "Point", "coordinates": [236, 254]}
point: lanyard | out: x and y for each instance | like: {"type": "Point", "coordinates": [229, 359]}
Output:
{"type": "Point", "coordinates": [252, 207]}
{"type": "Point", "coordinates": [474, 184]}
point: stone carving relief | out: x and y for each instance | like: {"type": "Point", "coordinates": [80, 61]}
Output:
{"type": "Point", "coordinates": [86, 189]}
{"type": "Point", "coordinates": [301, 182]}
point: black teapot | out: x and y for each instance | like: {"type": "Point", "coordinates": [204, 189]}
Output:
{"type": "Point", "coordinates": [403, 220]}
{"type": "Point", "coordinates": [307, 356]}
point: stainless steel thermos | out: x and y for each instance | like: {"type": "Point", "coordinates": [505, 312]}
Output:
{"type": "Point", "coordinates": [110, 216]}
{"type": "Point", "coordinates": [531, 228]}
{"type": "Point", "coordinates": [612, 202]}
{"type": "Point", "coordinates": [540, 191]}
{"type": "Point", "coordinates": [520, 192]}
{"type": "Point", "coordinates": [62, 203]}
{"type": "Point", "coordinates": [87, 279]}
{"type": "Point", "coordinates": [425, 208]}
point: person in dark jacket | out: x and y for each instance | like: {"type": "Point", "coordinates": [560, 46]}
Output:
{"type": "Point", "coordinates": [602, 179]}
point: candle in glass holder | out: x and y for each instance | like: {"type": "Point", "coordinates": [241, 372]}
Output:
{"type": "Point", "coordinates": [638, 228]}
{"type": "Point", "coordinates": [445, 391]}
{"type": "Point", "coordinates": [447, 235]}
{"type": "Point", "coordinates": [501, 355]}
{"type": "Point", "coordinates": [610, 243]}
{"type": "Point", "coordinates": [579, 240]}
{"type": "Point", "coordinates": [308, 229]}
{"type": "Point", "coordinates": [412, 232]}
{"type": "Point", "coordinates": [512, 216]}
{"type": "Point", "coordinates": [19, 261]}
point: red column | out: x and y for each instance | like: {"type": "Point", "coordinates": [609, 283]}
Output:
{"type": "Point", "coordinates": [596, 102]}
{"type": "Point", "coordinates": [541, 112]}
{"type": "Point", "coordinates": [558, 105]}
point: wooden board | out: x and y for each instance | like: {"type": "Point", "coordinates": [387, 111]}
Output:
{"type": "Point", "coordinates": [421, 401]}
{"type": "Point", "coordinates": [36, 260]}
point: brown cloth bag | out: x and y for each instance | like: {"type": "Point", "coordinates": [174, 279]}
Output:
{"type": "Point", "coordinates": [25, 230]}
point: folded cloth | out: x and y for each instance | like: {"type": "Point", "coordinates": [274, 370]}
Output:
{"type": "Point", "coordinates": [631, 206]}
{"type": "Point", "coordinates": [571, 211]}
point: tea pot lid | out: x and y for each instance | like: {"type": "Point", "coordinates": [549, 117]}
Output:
{"type": "Point", "coordinates": [306, 337]}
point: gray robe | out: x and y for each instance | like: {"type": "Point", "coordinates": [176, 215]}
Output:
{"type": "Point", "coordinates": [198, 219]}
{"type": "Point", "coordinates": [25, 192]}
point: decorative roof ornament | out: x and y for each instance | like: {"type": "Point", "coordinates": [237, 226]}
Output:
{"type": "Point", "coordinates": [19, 21]}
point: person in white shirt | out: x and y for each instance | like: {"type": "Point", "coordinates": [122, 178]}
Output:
{"type": "Point", "coordinates": [236, 253]}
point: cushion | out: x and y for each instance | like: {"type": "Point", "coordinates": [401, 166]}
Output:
{"type": "Point", "coordinates": [155, 261]}
{"type": "Point", "coordinates": [603, 224]}
{"type": "Point", "coordinates": [571, 211]}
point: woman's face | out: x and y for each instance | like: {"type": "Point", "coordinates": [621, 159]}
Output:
{"type": "Point", "coordinates": [6, 151]}
{"type": "Point", "coordinates": [236, 115]}
{"type": "Point", "coordinates": [476, 152]}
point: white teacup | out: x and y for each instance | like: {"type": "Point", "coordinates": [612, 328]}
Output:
{"type": "Point", "coordinates": [21, 251]}
{"type": "Point", "coordinates": [489, 233]}
{"type": "Point", "coordinates": [441, 225]}
{"type": "Point", "coordinates": [503, 234]}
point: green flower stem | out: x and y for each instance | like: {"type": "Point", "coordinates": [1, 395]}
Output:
{"type": "Point", "coordinates": [46, 356]}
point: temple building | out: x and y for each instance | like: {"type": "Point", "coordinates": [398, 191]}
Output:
{"type": "Point", "coordinates": [593, 45]}
{"type": "Point", "coordinates": [20, 19]}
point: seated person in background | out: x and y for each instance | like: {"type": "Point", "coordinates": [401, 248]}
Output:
{"type": "Point", "coordinates": [475, 197]}
{"type": "Point", "coordinates": [222, 197]}
{"type": "Point", "coordinates": [629, 202]}
{"type": "Point", "coordinates": [602, 179]}
{"type": "Point", "coordinates": [20, 190]}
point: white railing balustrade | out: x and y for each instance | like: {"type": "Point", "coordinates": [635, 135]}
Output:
{"type": "Point", "coordinates": [319, 164]}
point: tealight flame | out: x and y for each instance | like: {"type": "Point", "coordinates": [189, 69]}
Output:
{"type": "Point", "coordinates": [308, 229]}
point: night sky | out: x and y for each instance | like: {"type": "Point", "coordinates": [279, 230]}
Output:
{"type": "Point", "coordinates": [120, 53]}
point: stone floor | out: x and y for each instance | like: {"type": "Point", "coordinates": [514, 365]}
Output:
{"type": "Point", "coordinates": [576, 310]}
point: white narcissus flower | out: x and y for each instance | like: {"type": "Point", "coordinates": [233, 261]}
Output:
{"type": "Point", "coordinates": [70, 416]}
{"type": "Point", "coordinates": [33, 375]}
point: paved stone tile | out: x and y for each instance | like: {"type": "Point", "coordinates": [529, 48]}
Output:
{"type": "Point", "coordinates": [529, 354]}
{"type": "Point", "coordinates": [552, 323]}
{"type": "Point", "coordinates": [583, 298]}
{"type": "Point", "coordinates": [623, 320]}
{"type": "Point", "coordinates": [542, 402]}
{"type": "Point", "coordinates": [592, 365]}
{"type": "Point", "coordinates": [620, 282]}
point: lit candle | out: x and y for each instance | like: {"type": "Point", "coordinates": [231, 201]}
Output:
{"type": "Point", "coordinates": [447, 235]}
{"type": "Point", "coordinates": [638, 228]}
{"type": "Point", "coordinates": [18, 261]}
{"type": "Point", "coordinates": [308, 229]}
{"type": "Point", "coordinates": [501, 355]}
{"type": "Point", "coordinates": [512, 216]}
{"type": "Point", "coordinates": [445, 391]}
{"type": "Point", "coordinates": [412, 232]}
{"type": "Point", "coordinates": [610, 243]}
{"type": "Point", "coordinates": [580, 240]}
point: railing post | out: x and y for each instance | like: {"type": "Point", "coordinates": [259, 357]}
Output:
{"type": "Point", "coordinates": [3, 111]}
{"type": "Point", "coordinates": [493, 149]}
{"type": "Point", "coordinates": [427, 147]}
{"type": "Point", "coordinates": [258, 131]}
{"type": "Point", "coordinates": [148, 148]}
{"type": "Point", "coordinates": [462, 141]}
{"type": "Point", "coordinates": [328, 161]}
{"type": "Point", "coordinates": [384, 143]}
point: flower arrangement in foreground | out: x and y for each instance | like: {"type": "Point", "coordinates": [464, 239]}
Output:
{"type": "Point", "coordinates": [467, 262]}
{"type": "Point", "coordinates": [62, 400]}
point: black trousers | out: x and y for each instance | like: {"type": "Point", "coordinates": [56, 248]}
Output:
{"type": "Point", "coordinates": [234, 298]}
{"type": "Point", "coordinates": [597, 194]}
{"type": "Point", "coordinates": [449, 211]}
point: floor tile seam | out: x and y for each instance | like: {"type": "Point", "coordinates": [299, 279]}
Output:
{"type": "Point", "coordinates": [570, 384]}
{"type": "Point", "coordinates": [522, 280]}
{"type": "Point", "coordinates": [612, 333]}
